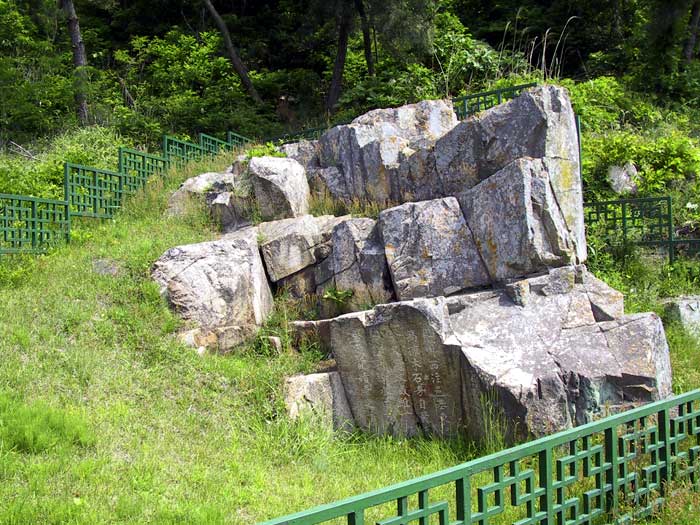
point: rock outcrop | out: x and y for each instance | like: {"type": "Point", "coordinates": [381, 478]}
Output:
{"type": "Point", "coordinates": [219, 286]}
{"type": "Point", "coordinates": [441, 365]}
{"type": "Point", "coordinates": [280, 186]}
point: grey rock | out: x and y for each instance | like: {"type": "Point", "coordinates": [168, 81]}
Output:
{"type": "Point", "coordinates": [310, 332]}
{"type": "Point", "coordinates": [219, 286]}
{"type": "Point", "coordinates": [280, 187]}
{"type": "Point", "coordinates": [228, 210]}
{"type": "Point", "coordinates": [468, 362]}
{"type": "Point", "coordinates": [368, 151]}
{"type": "Point", "coordinates": [430, 249]}
{"type": "Point", "coordinates": [321, 394]}
{"type": "Point", "coordinates": [519, 292]}
{"type": "Point", "coordinates": [290, 245]}
{"type": "Point", "coordinates": [623, 179]}
{"type": "Point", "coordinates": [686, 311]}
{"type": "Point", "coordinates": [305, 152]}
{"type": "Point", "coordinates": [199, 186]}
{"type": "Point", "coordinates": [357, 264]}
{"type": "Point", "coordinates": [517, 222]}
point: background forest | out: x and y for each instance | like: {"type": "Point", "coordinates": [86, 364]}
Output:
{"type": "Point", "coordinates": [269, 67]}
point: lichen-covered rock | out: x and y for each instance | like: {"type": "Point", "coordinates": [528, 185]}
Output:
{"type": "Point", "coordinates": [444, 365]}
{"type": "Point", "coordinates": [517, 222]}
{"type": "Point", "coordinates": [430, 249]}
{"type": "Point", "coordinates": [367, 151]}
{"type": "Point", "coordinates": [290, 245]}
{"type": "Point", "coordinates": [357, 265]}
{"type": "Point", "coordinates": [199, 186]}
{"type": "Point", "coordinates": [322, 394]}
{"type": "Point", "coordinates": [218, 286]}
{"type": "Point", "coordinates": [280, 187]}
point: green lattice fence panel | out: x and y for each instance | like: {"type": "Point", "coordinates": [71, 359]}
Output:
{"type": "Point", "coordinates": [647, 220]}
{"type": "Point", "coordinates": [476, 102]}
{"type": "Point", "coordinates": [97, 193]}
{"type": "Point", "coordinates": [140, 165]}
{"type": "Point", "coordinates": [180, 151]}
{"type": "Point", "coordinates": [236, 140]}
{"type": "Point", "coordinates": [32, 225]}
{"type": "Point", "coordinates": [212, 145]}
{"type": "Point", "coordinates": [614, 470]}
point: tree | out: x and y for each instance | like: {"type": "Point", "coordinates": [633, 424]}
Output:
{"type": "Point", "coordinates": [79, 59]}
{"type": "Point", "coordinates": [693, 26]}
{"type": "Point", "coordinates": [344, 24]}
{"type": "Point", "coordinates": [366, 37]}
{"type": "Point", "coordinates": [236, 62]}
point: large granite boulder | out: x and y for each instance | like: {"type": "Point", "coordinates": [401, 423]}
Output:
{"type": "Point", "coordinates": [280, 186]}
{"type": "Point", "coordinates": [305, 152]}
{"type": "Point", "coordinates": [517, 222]}
{"type": "Point", "coordinates": [443, 365]}
{"type": "Point", "coordinates": [356, 266]}
{"type": "Point", "coordinates": [367, 151]}
{"type": "Point", "coordinates": [321, 394]}
{"type": "Point", "coordinates": [430, 249]}
{"type": "Point", "coordinates": [219, 286]}
{"type": "Point", "coordinates": [289, 246]}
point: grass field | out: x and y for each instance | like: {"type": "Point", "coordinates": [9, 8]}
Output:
{"type": "Point", "coordinates": [106, 418]}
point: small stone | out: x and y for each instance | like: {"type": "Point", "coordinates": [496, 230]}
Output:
{"type": "Point", "coordinates": [519, 292]}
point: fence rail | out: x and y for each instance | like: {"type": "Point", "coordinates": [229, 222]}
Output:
{"type": "Point", "coordinates": [471, 104]}
{"type": "Point", "coordinates": [616, 468]}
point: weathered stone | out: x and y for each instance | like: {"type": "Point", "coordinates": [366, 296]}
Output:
{"type": "Point", "coordinates": [321, 394]}
{"type": "Point", "coordinates": [228, 210]}
{"type": "Point", "coordinates": [305, 152]}
{"type": "Point", "coordinates": [220, 286]}
{"type": "Point", "coordinates": [446, 364]}
{"type": "Point", "coordinates": [280, 187]}
{"type": "Point", "coordinates": [356, 265]}
{"type": "Point", "coordinates": [623, 179]}
{"type": "Point", "coordinates": [367, 151]}
{"type": "Point", "coordinates": [517, 222]}
{"type": "Point", "coordinates": [199, 186]}
{"type": "Point", "coordinates": [301, 283]}
{"type": "Point", "coordinates": [686, 311]}
{"type": "Point", "coordinates": [430, 249]}
{"type": "Point", "coordinates": [290, 245]}
{"type": "Point", "coordinates": [607, 303]}
{"type": "Point", "coordinates": [305, 332]}
{"type": "Point", "coordinates": [519, 292]}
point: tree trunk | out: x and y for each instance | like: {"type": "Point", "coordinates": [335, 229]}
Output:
{"type": "Point", "coordinates": [339, 66]}
{"type": "Point", "coordinates": [79, 60]}
{"type": "Point", "coordinates": [366, 36]}
{"type": "Point", "coordinates": [236, 62]}
{"type": "Point", "coordinates": [693, 26]}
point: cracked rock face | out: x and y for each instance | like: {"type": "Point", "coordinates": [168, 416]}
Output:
{"type": "Point", "coordinates": [441, 365]}
{"type": "Point", "coordinates": [219, 286]}
{"type": "Point", "coordinates": [357, 264]}
{"type": "Point", "coordinates": [322, 394]}
{"type": "Point", "coordinates": [430, 249]}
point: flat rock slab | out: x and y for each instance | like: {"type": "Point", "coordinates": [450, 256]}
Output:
{"type": "Point", "coordinates": [445, 365]}
{"type": "Point", "coordinates": [219, 286]}
{"type": "Point", "coordinates": [290, 245]}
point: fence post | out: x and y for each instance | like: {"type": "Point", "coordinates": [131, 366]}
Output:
{"type": "Point", "coordinates": [33, 225]}
{"type": "Point", "coordinates": [545, 474]}
{"type": "Point", "coordinates": [665, 453]}
{"type": "Point", "coordinates": [611, 475]}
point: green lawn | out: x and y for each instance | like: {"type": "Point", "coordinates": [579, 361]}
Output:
{"type": "Point", "coordinates": [106, 418]}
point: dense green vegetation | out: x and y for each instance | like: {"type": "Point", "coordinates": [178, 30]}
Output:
{"type": "Point", "coordinates": [104, 416]}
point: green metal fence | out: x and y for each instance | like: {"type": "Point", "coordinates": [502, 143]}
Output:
{"type": "Point", "coordinates": [610, 471]}
{"type": "Point", "coordinates": [471, 104]}
{"type": "Point", "coordinates": [31, 225]}
{"type": "Point", "coordinates": [642, 222]}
